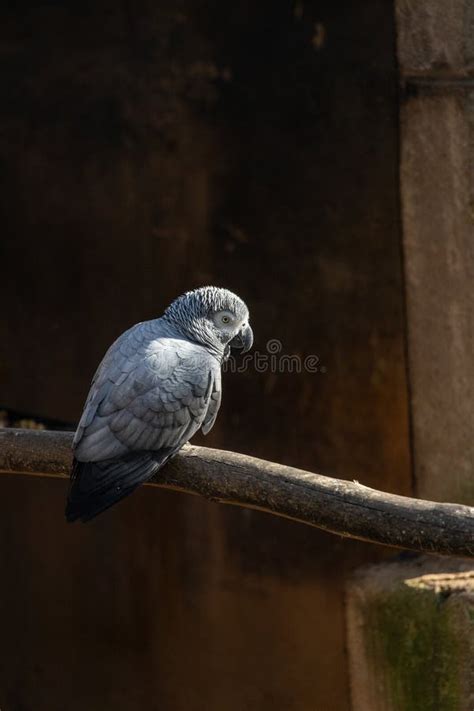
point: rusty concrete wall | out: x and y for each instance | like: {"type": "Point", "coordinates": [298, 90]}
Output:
{"type": "Point", "coordinates": [411, 646]}
{"type": "Point", "coordinates": [147, 148]}
{"type": "Point", "coordinates": [436, 53]}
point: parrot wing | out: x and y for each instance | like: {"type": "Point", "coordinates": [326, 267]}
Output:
{"type": "Point", "coordinates": [214, 403]}
{"type": "Point", "coordinates": [149, 396]}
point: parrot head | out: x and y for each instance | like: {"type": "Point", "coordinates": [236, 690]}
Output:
{"type": "Point", "coordinates": [214, 317]}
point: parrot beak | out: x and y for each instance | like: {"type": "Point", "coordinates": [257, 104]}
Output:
{"type": "Point", "coordinates": [243, 341]}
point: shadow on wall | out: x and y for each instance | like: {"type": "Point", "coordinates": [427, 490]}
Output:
{"type": "Point", "coordinates": [148, 149]}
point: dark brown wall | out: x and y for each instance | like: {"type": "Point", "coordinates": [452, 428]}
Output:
{"type": "Point", "coordinates": [145, 149]}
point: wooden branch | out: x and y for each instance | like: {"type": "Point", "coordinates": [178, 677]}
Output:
{"type": "Point", "coordinates": [341, 507]}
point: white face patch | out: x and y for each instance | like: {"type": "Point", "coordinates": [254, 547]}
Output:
{"type": "Point", "coordinates": [226, 321]}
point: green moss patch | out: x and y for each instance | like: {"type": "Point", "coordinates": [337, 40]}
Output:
{"type": "Point", "coordinates": [413, 636]}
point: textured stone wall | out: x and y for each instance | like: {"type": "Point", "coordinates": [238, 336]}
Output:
{"type": "Point", "coordinates": [410, 624]}
{"type": "Point", "coordinates": [435, 49]}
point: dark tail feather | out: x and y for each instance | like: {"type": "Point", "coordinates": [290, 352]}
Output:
{"type": "Point", "coordinates": [95, 486]}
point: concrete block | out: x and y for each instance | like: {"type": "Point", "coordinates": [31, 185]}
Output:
{"type": "Point", "coordinates": [435, 35]}
{"type": "Point", "coordinates": [410, 629]}
{"type": "Point", "coordinates": [437, 192]}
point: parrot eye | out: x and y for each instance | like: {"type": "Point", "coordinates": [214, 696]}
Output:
{"type": "Point", "coordinates": [223, 318]}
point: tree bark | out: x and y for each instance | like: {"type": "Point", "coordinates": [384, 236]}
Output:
{"type": "Point", "coordinates": [341, 507]}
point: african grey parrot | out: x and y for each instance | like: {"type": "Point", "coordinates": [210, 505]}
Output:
{"type": "Point", "coordinates": [156, 386]}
